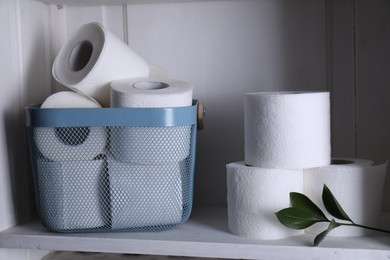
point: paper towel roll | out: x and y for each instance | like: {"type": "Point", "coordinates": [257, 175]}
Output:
{"type": "Point", "coordinates": [70, 143]}
{"type": "Point", "coordinates": [70, 195]}
{"type": "Point", "coordinates": [93, 57]}
{"type": "Point", "coordinates": [289, 130]}
{"type": "Point", "coordinates": [145, 195]}
{"type": "Point", "coordinates": [151, 144]}
{"type": "Point", "coordinates": [358, 187]}
{"type": "Point", "coordinates": [254, 195]}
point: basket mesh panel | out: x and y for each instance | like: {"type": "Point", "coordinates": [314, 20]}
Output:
{"type": "Point", "coordinates": [94, 179]}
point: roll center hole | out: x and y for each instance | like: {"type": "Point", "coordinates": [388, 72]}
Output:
{"type": "Point", "coordinates": [72, 135]}
{"type": "Point", "coordinates": [80, 55]}
{"type": "Point", "coordinates": [150, 85]}
{"type": "Point", "coordinates": [338, 162]}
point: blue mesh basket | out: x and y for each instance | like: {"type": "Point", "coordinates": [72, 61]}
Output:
{"type": "Point", "coordinates": [113, 169]}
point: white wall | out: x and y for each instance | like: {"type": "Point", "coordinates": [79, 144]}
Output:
{"type": "Point", "coordinates": [373, 84]}
{"type": "Point", "coordinates": [359, 65]}
{"type": "Point", "coordinates": [24, 79]}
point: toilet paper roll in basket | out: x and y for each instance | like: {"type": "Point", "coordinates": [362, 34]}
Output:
{"type": "Point", "coordinates": [150, 92]}
{"type": "Point", "coordinates": [358, 187]}
{"type": "Point", "coordinates": [70, 194]}
{"type": "Point", "coordinates": [254, 195]}
{"type": "Point", "coordinates": [145, 195]}
{"type": "Point", "coordinates": [93, 57]}
{"type": "Point", "coordinates": [289, 130]}
{"type": "Point", "coordinates": [69, 143]}
{"type": "Point", "coordinates": [150, 144]}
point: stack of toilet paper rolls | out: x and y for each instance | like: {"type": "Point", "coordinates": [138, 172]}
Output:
{"type": "Point", "coordinates": [153, 158]}
{"type": "Point", "coordinates": [70, 173]}
{"type": "Point", "coordinates": [88, 62]}
{"type": "Point", "coordinates": [144, 164]}
{"type": "Point", "coordinates": [287, 149]}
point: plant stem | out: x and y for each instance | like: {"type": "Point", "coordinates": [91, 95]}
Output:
{"type": "Point", "coordinates": [366, 227]}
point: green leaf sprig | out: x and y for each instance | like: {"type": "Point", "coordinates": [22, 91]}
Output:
{"type": "Point", "coordinates": [303, 213]}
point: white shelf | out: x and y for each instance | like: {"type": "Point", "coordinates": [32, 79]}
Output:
{"type": "Point", "coordinates": [114, 2]}
{"type": "Point", "coordinates": [204, 235]}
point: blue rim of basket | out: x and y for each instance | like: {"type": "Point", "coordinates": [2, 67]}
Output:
{"type": "Point", "coordinates": [133, 117]}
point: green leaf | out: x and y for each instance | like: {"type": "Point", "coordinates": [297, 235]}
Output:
{"type": "Point", "coordinates": [299, 200]}
{"type": "Point", "coordinates": [299, 218]}
{"type": "Point", "coordinates": [318, 239]}
{"type": "Point", "coordinates": [333, 206]}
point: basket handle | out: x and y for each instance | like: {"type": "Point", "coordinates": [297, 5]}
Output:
{"type": "Point", "coordinates": [201, 115]}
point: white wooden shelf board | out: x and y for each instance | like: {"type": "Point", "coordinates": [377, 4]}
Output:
{"type": "Point", "coordinates": [205, 234]}
{"type": "Point", "coordinates": [115, 2]}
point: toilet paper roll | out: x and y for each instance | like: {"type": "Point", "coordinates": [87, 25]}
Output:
{"type": "Point", "coordinates": [145, 195]}
{"type": "Point", "coordinates": [358, 187]}
{"type": "Point", "coordinates": [289, 130]}
{"type": "Point", "coordinates": [350, 161]}
{"type": "Point", "coordinates": [151, 144]}
{"type": "Point", "coordinates": [70, 195]}
{"type": "Point", "coordinates": [150, 92]}
{"type": "Point", "coordinates": [254, 195]}
{"type": "Point", "coordinates": [70, 143]}
{"type": "Point", "coordinates": [93, 57]}
{"type": "Point", "coordinates": [69, 99]}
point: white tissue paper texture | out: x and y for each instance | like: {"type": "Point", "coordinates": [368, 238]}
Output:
{"type": "Point", "coordinates": [73, 143]}
{"type": "Point", "coordinates": [289, 130]}
{"type": "Point", "coordinates": [151, 144]}
{"type": "Point", "coordinates": [150, 92]}
{"type": "Point", "coordinates": [145, 195]}
{"type": "Point", "coordinates": [69, 194]}
{"type": "Point", "coordinates": [357, 186]}
{"type": "Point", "coordinates": [254, 195]}
{"type": "Point", "coordinates": [92, 57]}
